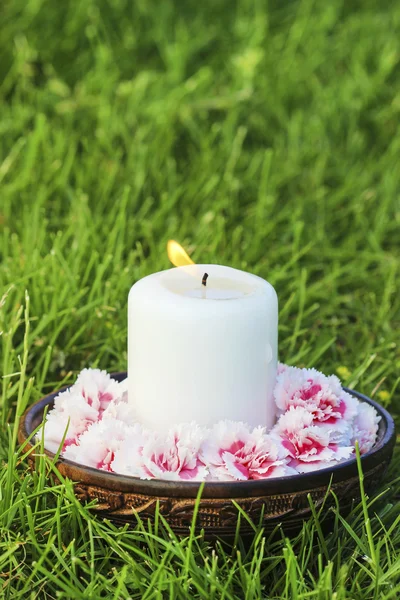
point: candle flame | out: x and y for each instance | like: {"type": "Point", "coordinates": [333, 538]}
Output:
{"type": "Point", "coordinates": [177, 254]}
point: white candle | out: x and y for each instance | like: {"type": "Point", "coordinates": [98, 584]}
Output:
{"type": "Point", "coordinates": [202, 353]}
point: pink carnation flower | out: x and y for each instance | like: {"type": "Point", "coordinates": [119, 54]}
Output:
{"type": "Point", "coordinates": [98, 388]}
{"type": "Point", "coordinates": [322, 396]}
{"type": "Point", "coordinates": [128, 456]}
{"type": "Point", "coordinates": [123, 386]}
{"type": "Point", "coordinates": [365, 427]}
{"type": "Point", "coordinates": [71, 414]}
{"type": "Point", "coordinates": [175, 457]}
{"type": "Point", "coordinates": [119, 411]}
{"type": "Point", "coordinates": [234, 453]}
{"type": "Point", "coordinates": [98, 445]}
{"type": "Point", "coordinates": [281, 368]}
{"type": "Point", "coordinates": [308, 445]}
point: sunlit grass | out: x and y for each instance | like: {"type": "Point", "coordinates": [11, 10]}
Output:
{"type": "Point", "coordinates": [265, 138]}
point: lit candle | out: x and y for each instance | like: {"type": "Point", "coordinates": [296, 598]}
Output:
{"type": "Point", "coordinates": [202, 350]}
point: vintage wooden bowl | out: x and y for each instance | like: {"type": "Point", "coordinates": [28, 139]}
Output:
{"type": "Point", "coordinates": [281, 500]}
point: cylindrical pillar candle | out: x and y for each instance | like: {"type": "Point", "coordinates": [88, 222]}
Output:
{"type": "Point", "coordinates": [202, 352]}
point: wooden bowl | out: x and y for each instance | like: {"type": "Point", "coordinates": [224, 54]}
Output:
{"type": "Point", "coordinates": [280, 500]}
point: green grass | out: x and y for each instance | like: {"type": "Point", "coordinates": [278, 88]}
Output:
{"type": "Point", "coordinates": [260, 135]}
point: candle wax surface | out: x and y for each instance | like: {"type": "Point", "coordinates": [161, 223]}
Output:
{"type": "Point", "coordinates": [209, 293]}
{"type": "Point", "coordinates": [188, 283]}
{"type": "Point", "coordinates": [202, 353]}
{"type": "Point", "coordinates": [216, 289]}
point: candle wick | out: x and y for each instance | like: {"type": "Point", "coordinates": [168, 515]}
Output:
{"type": "Point", "coordinates": [204, 280]}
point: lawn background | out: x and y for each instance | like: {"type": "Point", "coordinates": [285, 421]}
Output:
{"type": "Point", "coordinates": [260, 135]}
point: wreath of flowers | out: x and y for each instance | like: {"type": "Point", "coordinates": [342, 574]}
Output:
{"type": "Point", "coordinates": [318, 425]}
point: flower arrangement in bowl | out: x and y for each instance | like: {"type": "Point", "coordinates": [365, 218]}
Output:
{"type": "Point", "coordinates": [129, 469]}
{"type": "Point", "coordinates": [317, 427]}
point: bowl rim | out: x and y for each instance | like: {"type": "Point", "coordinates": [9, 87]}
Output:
{"type": "Point", "coordinates": [216, 489]}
